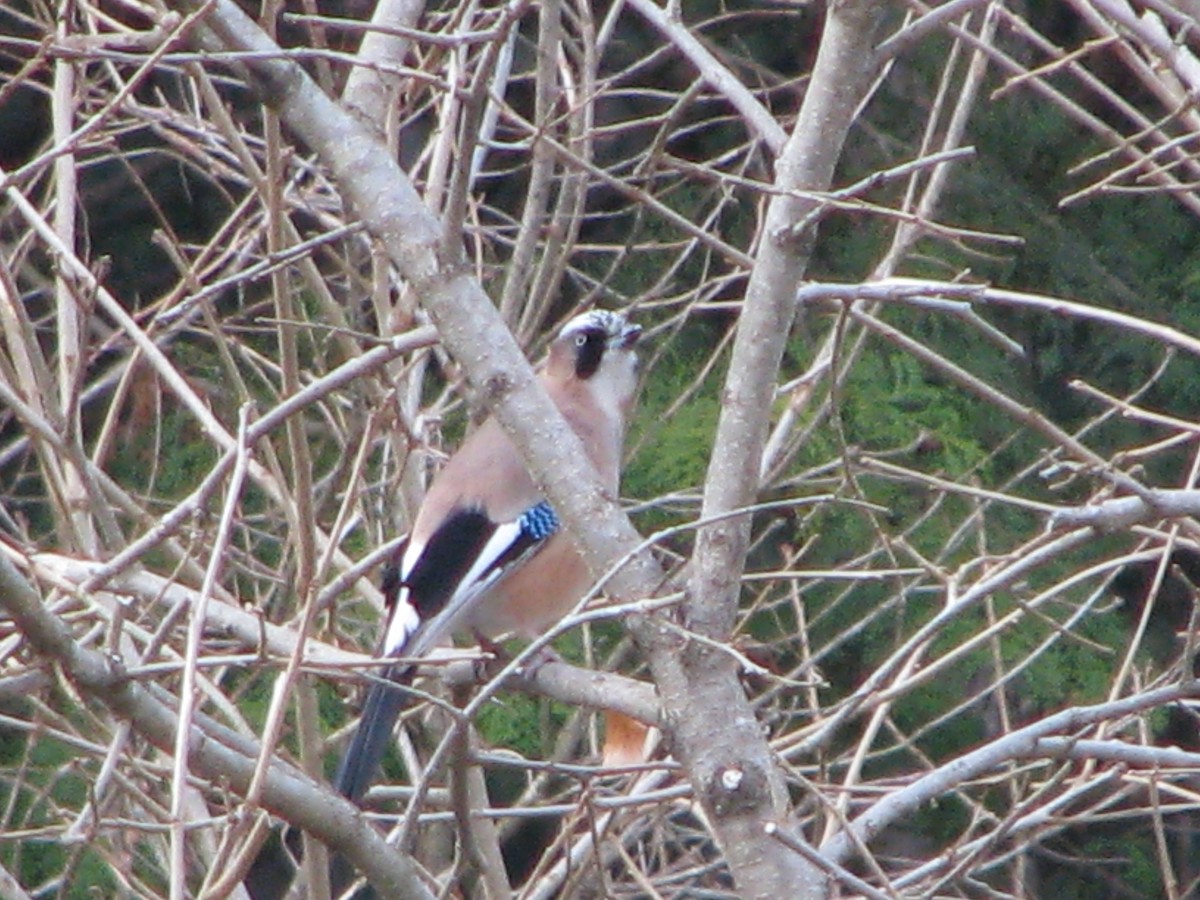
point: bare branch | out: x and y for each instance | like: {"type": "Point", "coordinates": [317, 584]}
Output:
{"type": "Point", "coordinates": [286, 791]}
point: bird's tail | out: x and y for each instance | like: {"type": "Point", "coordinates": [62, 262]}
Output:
{"type": "Point", "coordinates": [385, 699]}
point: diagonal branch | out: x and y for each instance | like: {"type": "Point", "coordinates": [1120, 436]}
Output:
{"type": "Point", "coordinates": [216, 754]}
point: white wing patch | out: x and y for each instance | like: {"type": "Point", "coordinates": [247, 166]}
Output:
{"type": "Point", "coordinates": [478, 575]}
{"type": "Point", "coordinates": [405, 619]}
{"type": "Point", "coordinates": [403, 624]}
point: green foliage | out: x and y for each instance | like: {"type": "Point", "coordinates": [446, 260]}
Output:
{"type": "Point", "coordinates": [52, 782]}
{"type": "Point", "coordinates": [891, 398]}
{"type": "Point", "coordinates": [43, 861]}
{"type": "Point", "coordinates": [170, 458]}
{"type": "Point", "coordinates": [672, 452]}
{"type": "Point", "coordinates": [678, 457]}
{"type": "Point", "coordinates": [1070, 672]}
{"type": "Point", "coordinates": [929, 702]}
{"type": "Point", "coordinates": [1109, 861]}
{"type": "Point", "coordinates": [522, 723]}
{"type": "Point", "coordinates": [943, 819]}
{"type": "Point", "coordinates": [253, 693]}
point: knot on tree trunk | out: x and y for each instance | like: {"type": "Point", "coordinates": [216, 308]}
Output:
{"type": "Point", "coordinates": [735, 786]}
{"type": "Point", "coordinates": [497, 386]}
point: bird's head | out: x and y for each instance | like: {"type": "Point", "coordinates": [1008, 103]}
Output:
{"type": "Point", "coordinates": [596, 348]}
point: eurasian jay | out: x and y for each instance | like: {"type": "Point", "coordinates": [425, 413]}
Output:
{"type": "Point", "coordinates": [486, 554]}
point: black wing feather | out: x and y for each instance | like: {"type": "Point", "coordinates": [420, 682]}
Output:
{"type": "Point", "coordinates": [437, 593]}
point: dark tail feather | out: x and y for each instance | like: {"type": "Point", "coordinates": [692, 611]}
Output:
{"type": "Point", "coordinates": [361, 760]}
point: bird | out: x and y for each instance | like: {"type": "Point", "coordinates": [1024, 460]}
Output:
{"type": "Point", "coordinates": [486, 554]}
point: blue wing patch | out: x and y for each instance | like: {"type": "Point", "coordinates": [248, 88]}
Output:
{"type": "Point", "coordinates": [539, 522]}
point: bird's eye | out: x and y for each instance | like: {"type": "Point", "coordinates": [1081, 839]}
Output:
{"type": "Point", "coordinates": [581, 340]}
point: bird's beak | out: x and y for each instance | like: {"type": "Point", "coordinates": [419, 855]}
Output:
{"type": "Point", "coordinates": [629, 336]}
